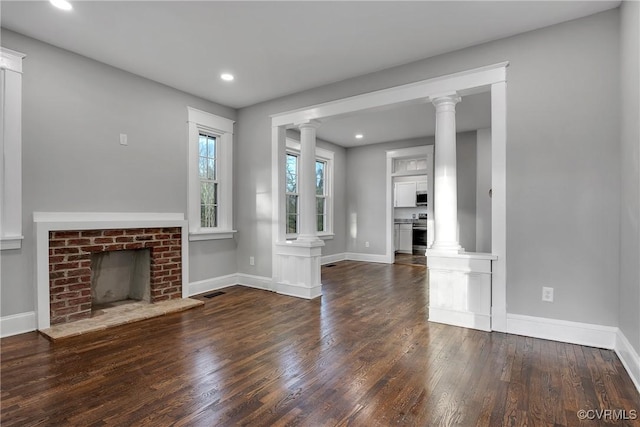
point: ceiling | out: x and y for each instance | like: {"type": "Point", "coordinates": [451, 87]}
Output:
{"type": "Point", "coordinates": [404, 122]}
{"type": "Point", "coordinates": [275, 48]}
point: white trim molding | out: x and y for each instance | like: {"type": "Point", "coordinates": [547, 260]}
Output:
{"type": "Point", "coordinates": [252, 281]}
{"type": "Point", "coordinates": [242, 279]}
{"type": "Point", "coordinates": [212, 284]}
{"type": "Point", "coordinates": [17, 324]}
{"type": "Point", "coordinates": [629, 358]}
{"type": "Point", "coordinates": [491, 78]}
{"type": "Point", "coordinates": [11, 149]}
{"type": "Point", "coordinates": [329, 259]}
{"type": "Point", "coordinates": [48, 221]}
{"type": "Point", "coordinates": [562, 330]}
{"type": "Point", "coordinates": [357, 256]}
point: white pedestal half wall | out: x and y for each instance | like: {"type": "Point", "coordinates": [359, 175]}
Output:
{"type": "Point", "coordinates": [298, 268]}
{"type": "Point", "coordinates": [460, 289]}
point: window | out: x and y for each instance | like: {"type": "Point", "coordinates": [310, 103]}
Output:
{"type": "Point", "coordinates": [321, 195]}
{"type": "Point", "coordinates": [324, 160]}
{"type": "Point", "coordinates": [210, 176]}
{"type": "Point", "coordinates": [11, 149]}
{"type": "Point", "coordinates": [291, 194]}
{"type": "Point", "coordinates": [208, 181]}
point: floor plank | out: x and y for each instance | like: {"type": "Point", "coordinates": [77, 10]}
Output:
{"type": "Point", "coordinates": [363, 355]}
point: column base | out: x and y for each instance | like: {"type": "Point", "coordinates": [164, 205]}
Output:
{"type": "Point", "coordinates": [460, 289]}
{"type": "Point", "coordinates": [298, 268]}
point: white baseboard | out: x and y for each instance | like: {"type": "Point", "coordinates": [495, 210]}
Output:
{"type": "Point", "coordinates": [212, 284]}
{"type": "Point", "coordinates": [629, 358]}
{"type": "Point", "coordinates": [259, 282]}
{"type": "Point", "coordinates": [328, 259]}
{"type": "Point", "coordinates": [17, 324]}
{"type": "Point", "coordinates": [299, 291]}
{"type": "Point", "coordinates": [465, 319]}
{"type": "Point", "coordinates": [355, 256]}
{"type": "Point", "coordinates": [562, 330]}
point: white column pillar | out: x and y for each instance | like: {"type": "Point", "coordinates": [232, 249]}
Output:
{"type": "Point", "coordinates": [445, 184]}
{"type": "Point", "coordinates": [307, 191]}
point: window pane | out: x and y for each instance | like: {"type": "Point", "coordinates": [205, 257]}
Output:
{"type": "Point", "coordinates": [291, 171]}
{"type": "Point", "coordinates": [320, 204]}
{"type": "Point", "coordinates": [207, 193]}
{"type": "Point", "coordinates": [203, 167]}
{"type": "Point", "coordinates": [202, 145]}
{"type": "Point", "coordinates": [292, 224]}
{"type": "Point", "coordinates": [211, 168]}
{"type": "Point", "coordinates": [211, 147]}
{"type": "Point", "coordinates": [292, 204]}
{"type": "Point", "coordinates": [208, 216]}
{"type": "Point", "coordinates": [320, 222]}
{"type": "Point", "coordinates": [320, 166]}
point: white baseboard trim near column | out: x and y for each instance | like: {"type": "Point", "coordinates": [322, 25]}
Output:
{"type": "Point", "coordinates": [298, 291]}
{"type": "Point", "coordinates": [465, 319]}
{"type": "Point", "coordinates": [355, 256]}
{"type": "Point", "coordinates": [562, 330]}
{"type": "Point", "coordinates": [328, 259]}
{"type": "Point", "coordinates": [212, 284]}
{"type": "Point", "coordinates": [629, 358]}
{"type": "Point", "coordinates": [17, 324]}
{"type": "Point", "coordinates": [215, 283]}
{"type": "Point", "coordinates": [251, 281]}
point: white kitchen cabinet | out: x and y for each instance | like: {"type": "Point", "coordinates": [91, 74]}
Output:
{"type": "Point", "coordinates": [405, 195]}
{"type": "Point", "coordinates": [405, 238]}
{"type": "Point", "coordinates": [422, 186]}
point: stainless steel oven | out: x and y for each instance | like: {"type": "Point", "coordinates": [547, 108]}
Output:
{"type": "Point", "coordinates": [420, 234]}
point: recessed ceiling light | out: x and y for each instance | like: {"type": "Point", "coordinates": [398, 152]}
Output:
{"type": "Point", "coordinates": [61, 4]}
{"type": "Point", "coordinates": [226, 77]}
{"type": "Point", "coordinates": [359, 136]}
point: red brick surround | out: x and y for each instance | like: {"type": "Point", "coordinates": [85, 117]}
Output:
{"type": "Point", "coordinates": [70, 265]}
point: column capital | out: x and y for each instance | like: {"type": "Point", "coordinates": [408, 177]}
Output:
{"type": "Point", "coordinates": [312, 124]}
{"type": "Point", "coordinates": [446, 99]}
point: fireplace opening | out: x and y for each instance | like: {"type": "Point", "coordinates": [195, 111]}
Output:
{"type": "Point", "coordinates": [120, 277]}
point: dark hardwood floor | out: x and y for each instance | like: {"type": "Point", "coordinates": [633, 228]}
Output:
{"type": "Point", "coordinates": [364, 355]}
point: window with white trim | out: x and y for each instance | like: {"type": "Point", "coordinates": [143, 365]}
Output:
{"type": "Point", "coordinates": [210, 176]}
{"type": "Point", "coordinates": [11, 149]}
{"type": "Point", "coordinates": [324, 194]}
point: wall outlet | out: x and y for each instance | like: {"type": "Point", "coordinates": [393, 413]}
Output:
{"type": "Point", "coordinates": [252, 261]}
{"type": "Point", "coordinates": [123, 139]}
{"type": "Point", "coordinates": [366, 244]}
{"type": "Point", "coordinates": [547, 294]}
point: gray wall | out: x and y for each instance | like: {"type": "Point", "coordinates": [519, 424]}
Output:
{"type": "Point", "coordinates": [466, 169]}
{"type": "Point", "coordinates": [630, 158]}
{"type": "Point", "coordinates": [366, 192]}
{"type": "Point", "coordinates": [563, 157]}
{"type": "Point", "coordinates": [73, 112]}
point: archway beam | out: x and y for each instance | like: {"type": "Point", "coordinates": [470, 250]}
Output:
{"type": "Point", "coordinates": [464, 83]}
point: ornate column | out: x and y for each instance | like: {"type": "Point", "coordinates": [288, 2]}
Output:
{"type": "Point", "coordinates": [459, 282]}
{"type": "Point", "coordinates": [297, 266]}
{"type": "Point", "coordinates": [307, 192]}
{"type": "Point", "coordinates": [445, 184]}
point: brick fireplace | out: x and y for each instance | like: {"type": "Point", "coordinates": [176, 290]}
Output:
{"type": "Point", "coordinates": [66, 243]}
{"type": "Point", "coordinates": [70, 265]}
